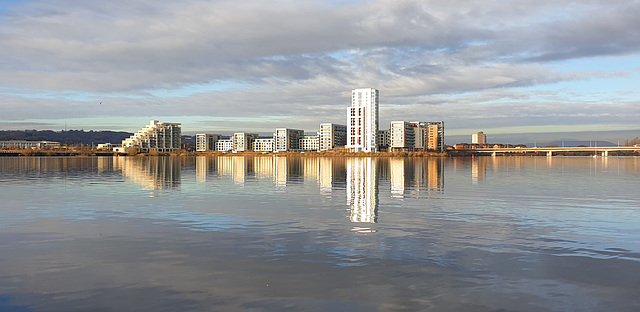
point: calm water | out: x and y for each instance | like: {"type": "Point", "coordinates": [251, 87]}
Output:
{"type": "Point", "coordinates": [319, 234]}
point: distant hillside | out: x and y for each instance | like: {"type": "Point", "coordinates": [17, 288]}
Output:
{"type": "Point", "coordinates": [65, 137]}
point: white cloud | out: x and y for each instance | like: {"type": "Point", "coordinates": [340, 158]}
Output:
{"type": "Point", "coordinates": [301, 58]}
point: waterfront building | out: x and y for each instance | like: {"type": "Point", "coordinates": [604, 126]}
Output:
{"type": "Point", "coordinates": [332, 136]}
{"type": "Point", "coordinates": [362, 120]}
{"type": "Point", "coordinates": [383, 140]}
{"type": "Point", "coordinates": [479, 138]}
{"type": "Point", "coordinates": [224, 145]}
{"type": "Point", "coordinates": [263, 145]}
{"type": "Point", "coordinates": [420, 135]}
{"type": "Point", "coordinates": [243, 142]}
{"type": "Point", "coordinates": [206, 142]}
{"type": "Point", "coordinates": [159, 136]}
{"type": "Point", "coordinates": [286, 139]}
{"type": "Point", "coordinates": [28, 144]}
{"type": "Point", "coordinates": [435, 136]}
{"type": "Point", "coordinates": [402, 135]}
{"type": "Point", "coordinates": [310, 143]}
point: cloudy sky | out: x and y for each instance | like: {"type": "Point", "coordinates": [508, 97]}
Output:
{"type": "Point", "coordinates": [504, 67]}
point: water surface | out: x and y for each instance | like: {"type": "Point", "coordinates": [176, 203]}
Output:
{"type": "Point", "coordinates": [238, 233]}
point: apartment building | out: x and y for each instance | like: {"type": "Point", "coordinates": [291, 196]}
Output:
{"type": "Point", "coordinates": [332, 136]}
{"type": "Point", "coordinates": [224, 145]}
{"type": "Point", "coordinates": [383, 140]}
{"type": "Point", "coordinates": [206, 142]}
{"type": "Point", "coordinates": [362, 120]}
{"type": "Point", "coordinates": [479, 138]}
{"type": "Point", "coordinates": [263, 145]}
{"type": "Point", "coordinates": [286, 139]}
{"type": "Point", "coordinates": [435, 136]}
{"type": "Point", "coordinates": [243, 142]}
{"type": "Point", "coordinates": [402, 136]}
{"type": "Point", "coordinates": [159, 136]}
{"type": "Point", "coordinates": [310, 143]}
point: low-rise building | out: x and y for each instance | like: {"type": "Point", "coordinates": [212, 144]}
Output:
{"type": "Point", "coordinates": [310, 143]}
{"type": "Point", "coordinates": [224, 145]}
{"type": "Point", "coordinates": [28, 144]}
{"type": "Point", "coordinates": [263, 145]}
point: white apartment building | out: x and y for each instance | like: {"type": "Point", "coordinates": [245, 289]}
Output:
{"type": "Point", "coordinates": [160, 136]}
{"type": "Point", "coordinates": [243, 142]}
{"type": "Point", "coordinates": [402, 135]}
{"type": "Point", "coordinates": [286, 139]}
{"type": "Point", "coordinates": [479, 138]}
{"type": "Point", "coordinates": [224, 145]}
{"type": "Point", "coordinates": [206, 142]}
{"type": "Point", "coordinates": [310, 143]}
{"type": "Point", "coordinates": [332, 136]}
{"type": "Point", "coordinates": [263, 145]}
{"type": "Point", "coordinates": [362, 120]}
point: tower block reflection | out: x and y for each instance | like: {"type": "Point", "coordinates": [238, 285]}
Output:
{"type": "Point", "coordinates": [362, 189]}
{"type": "Point", "coordinates": [153, 173]}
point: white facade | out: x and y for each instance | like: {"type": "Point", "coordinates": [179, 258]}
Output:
{"type": "Point", "coordinates": [402, 135]}
{"type": "Point", "coordinates": [243, 142]}
{"type": "Point", "coordinates": [29, 144]}
{"type": "Point", "coordinates": [206, 142]}
{"type": "Point", "coordinates": [362, 120]}
{"type": "Point", "coordinates": [287, 139]}
{"type": "Point", "coordinates": [160, 136]}
{"type": "Point", "coordinates": [263, 145]}
{"type": "Point", "coordinates": [224, 145]}
{"type": "Point", "coordinates": [310, 143]}
{"type": "Point", "coordinates": [332, 136]}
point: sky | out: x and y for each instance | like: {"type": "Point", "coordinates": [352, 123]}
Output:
{"type": "Point", "coordinates": [521, 68]}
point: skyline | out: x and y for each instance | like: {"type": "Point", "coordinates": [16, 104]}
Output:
{"type": "Point", "coordinates": [522, 70]}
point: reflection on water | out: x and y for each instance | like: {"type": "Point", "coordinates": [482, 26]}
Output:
{"type": "Point", "coordinates": [236, 233]}
{"type": "Point", "coordinates": [153, 173]}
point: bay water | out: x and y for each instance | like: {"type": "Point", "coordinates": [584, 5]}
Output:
{"type": "Point", "coordinates": [267, 233]}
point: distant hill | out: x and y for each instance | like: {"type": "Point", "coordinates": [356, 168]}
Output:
{"type": "Point", "coordinates": [70, 137]}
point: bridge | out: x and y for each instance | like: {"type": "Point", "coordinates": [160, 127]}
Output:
{"type": "Point", "coordinates": [602, 151]}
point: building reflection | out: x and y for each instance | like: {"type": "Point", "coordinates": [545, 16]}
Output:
{"type": "Point", "coordinates": [478, 169]}
{"type": "Point", "coordinates": [358, 176]}
{"type": "Point", "coordinates": [362, 189]}
{"type": "Point", "coordinates": [153, 173]}
{"type": "Point", "coordinates": [416, 177]}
